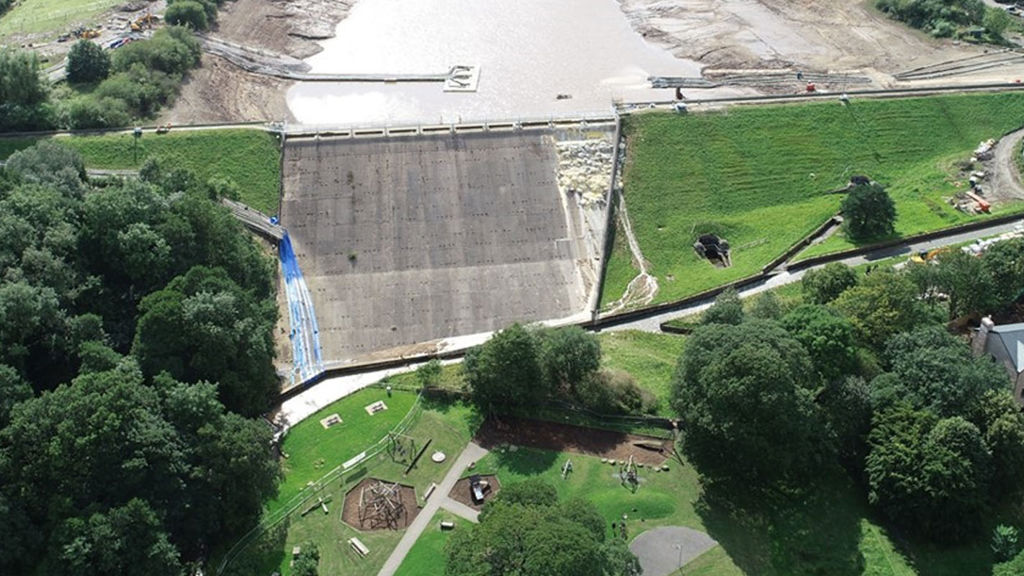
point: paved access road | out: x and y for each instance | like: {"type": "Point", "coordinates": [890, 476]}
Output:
{"type": "Point", "coordinates": [653, 323]}
{"type": "Point", "coordinates": [439, 498]}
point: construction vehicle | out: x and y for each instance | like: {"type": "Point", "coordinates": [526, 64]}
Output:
{"type": "Point", "coordinates": [925, 256]}
{"type": "Point", "coordinates": [144, 22]}
{"type": "Point", "coordinates": [85, 33]}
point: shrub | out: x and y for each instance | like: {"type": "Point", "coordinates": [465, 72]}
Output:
{"type": "Point", "coordinates": [187, 13]}
{"type": "Point", "coordinates": [86, 112]}
{"type": "Point", "coordinates": [616, 392]}
{"type": "Point", "coordinates": [727, 309]}
{"type": "Point", "coordinates": [172, 50]}
{"type": "Point", "coordinates": [1005, 542]}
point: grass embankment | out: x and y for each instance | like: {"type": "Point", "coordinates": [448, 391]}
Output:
{"type": "Point", "coordinates": [51, 16]}
{"type": "Point", "coordinates": [427, 555]}
{"type": "Point", "coordinates": [650, 358]}
{"type": "Point", "coordinates": [249, 158]}
{"type": "Point", "coordinates": [759, 176]}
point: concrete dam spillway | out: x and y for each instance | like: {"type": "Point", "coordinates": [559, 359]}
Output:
{"type": "Point", "coordinates": [405, 241]}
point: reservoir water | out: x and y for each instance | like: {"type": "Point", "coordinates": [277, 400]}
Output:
{"type": "Point", "coordinates": [529, 52]}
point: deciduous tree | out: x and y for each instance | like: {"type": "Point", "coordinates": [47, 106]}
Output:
{"type": "Point", "coordinates": [868, 213]}
{"type": "Point", "coordinates": [87, 62]}
{"type": "Point", "coordinates": [745, 395]}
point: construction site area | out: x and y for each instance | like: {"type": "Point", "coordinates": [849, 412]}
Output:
{"type": "Point", "coordinates": [404, 242]}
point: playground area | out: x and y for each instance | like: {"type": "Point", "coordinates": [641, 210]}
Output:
{"type": "Point", "coordinates": [375, 504]}
{"type": "Point", "coordinates": [513, 432]}
{"type": "Point", "coordinates": [405, 241]}
{"type": "Point", "coordinates": [463, 492]}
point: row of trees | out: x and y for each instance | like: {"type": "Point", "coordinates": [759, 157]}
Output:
{"type": "Point", "coordinates": [943, 18]}
{"type": "Point", "coordinates": [135, 346]}
{"type": "Point", "coordinates": [525, 530]}
{"type": "Point", "coordinates": [865, 375]}
{"type": "Point", "coordinates": [520, 368]}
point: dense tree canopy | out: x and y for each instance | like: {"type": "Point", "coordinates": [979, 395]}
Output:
{"type": "Point", "coordinates": [823, 285]}
{"type": "Point", "coordinates": [23, 95]}
{"type": "Point", "coordinates": [568, 356]}
{"type": "Point", "coordinates": [827, 337]}
{"type": "Point", "coordinates": [928, 474]}
{"type": "Point", "coordinates": [504, 374]}
{"type": "Point", "coordinates": [533, 535]}
{"type": "Point", "coordinates": [747, 391]}
{"type": "Point", "coordinates": [882, 304]}
{"type": "Point", "coordinates": [932, 370]}
{"type": "Point", "coordinates": [106, 468]}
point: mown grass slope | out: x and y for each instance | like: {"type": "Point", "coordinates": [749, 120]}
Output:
{"type": "Point", "coordinates": [249, 158]}
{"type": "Point", "coordinates": [53, 16]}
{"type": "Point", "coordinates": [760, 176]}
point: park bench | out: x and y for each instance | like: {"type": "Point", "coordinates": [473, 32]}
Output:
{"type": "Point", "coordinates": [358, 546]}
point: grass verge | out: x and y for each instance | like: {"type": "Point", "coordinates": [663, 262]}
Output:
{"type": "Point", "coordinates": [249, 158]}
{"type": "Point", "coordinates": [427, 555]}
{"type": "Point", "coordinates": [760, 176]}
{"type": "Point", "coordinates": [650, 358]}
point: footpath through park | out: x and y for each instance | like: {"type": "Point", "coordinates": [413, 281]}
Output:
{"type": "Point", "coordinates": [471, 454]}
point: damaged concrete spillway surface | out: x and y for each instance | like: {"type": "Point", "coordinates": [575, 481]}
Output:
{"type": "Point", "coordinates": [408, 241]}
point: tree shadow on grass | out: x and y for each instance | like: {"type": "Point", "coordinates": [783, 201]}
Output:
{"type": "Point", "coordinates": [525, 461]}
{"type": "Point", "coordinates": [264, 555]}
{"type": "Point", "coordinates": [971, 558]}
{"type": "Point", "coordinates": [815, 531]}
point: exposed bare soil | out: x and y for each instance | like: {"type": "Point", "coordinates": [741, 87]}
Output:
{"type": "Point", "coordinates": [460, 492]}
{"type": "Point", "coordinates": [222, 92]}
{"type": "Point", "coordinates": [565, 438]}
{"type": "Point", "coordinates": [802, 34]}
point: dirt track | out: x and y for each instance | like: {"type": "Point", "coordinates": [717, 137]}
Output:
{"type": "Point", "coordinates": [566, 438]}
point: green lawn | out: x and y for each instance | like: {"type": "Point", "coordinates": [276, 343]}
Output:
{"type": "Point", "coordinates": [249, 158]}
{"type": "Point", "coordinates": [759, 176]}
{"type": "Point", "coordinates": [428, 553]}
{"type": "Point", "coordinates": [313, 451]}
{"type": "Point", "coordinates": [52, 16]}
{"type": "Point", "coordinates": [827, 532]}
{"type": "Point", "coordinates": [650, 358]}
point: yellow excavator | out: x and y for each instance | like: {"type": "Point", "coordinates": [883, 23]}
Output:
{"type": "Point", "coordinates": [144, 22]}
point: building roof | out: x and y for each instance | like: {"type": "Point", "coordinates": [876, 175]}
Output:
{"type": "Point", "coordinates": [1007, 341]}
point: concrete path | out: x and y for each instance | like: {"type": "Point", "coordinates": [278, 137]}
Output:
{"type": "Point", "coordinates": [472, 453]}
{"type": "Point", "coordinates": [653, 323]}
{"type": "Point", "coordinates": [460, 509]}
{"type": "Point", "coordinates": [664, 550]}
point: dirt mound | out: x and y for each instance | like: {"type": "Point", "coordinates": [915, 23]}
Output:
{"type": "Point", "coordinates": [565, 438]}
